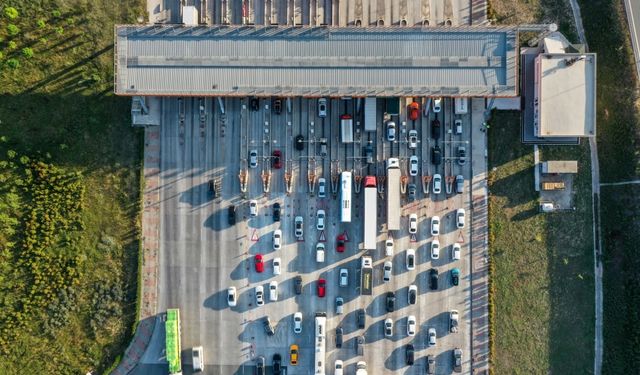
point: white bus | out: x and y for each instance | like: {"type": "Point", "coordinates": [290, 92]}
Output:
{"type": "Point", "coordinates": [320, 343]}
{"type": "Point", "coordinates": [345, 197]}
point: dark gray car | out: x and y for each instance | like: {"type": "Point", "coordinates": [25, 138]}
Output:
{"type": "Point", "coordinates": [431, 365]}
{"type": "Point", "coordinates": [362, 318]}
{"type": "Point", "coordinates": [459, 184]}
{"type": "Point", "coordinates": [260, 366]}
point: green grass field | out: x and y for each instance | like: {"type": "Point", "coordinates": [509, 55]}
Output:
{"type": "Point", "coordinates": [56, 73]}
{"type": "Point", "coordinates": [543, 275]}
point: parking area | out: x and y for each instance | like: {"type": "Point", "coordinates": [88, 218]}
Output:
{"type": "Point", "coordinates": [212, 159]}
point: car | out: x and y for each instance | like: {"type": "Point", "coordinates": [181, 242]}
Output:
{"type": "Point", "coordinates": [259, 295]}
{"type": "Point", "coordinates": [276, 266]}
{"type": "Point", "coordinates": [277, 106]}
{"type": "Point", "coordinates": [435, 225]}
{"type": "Point", "coordinates": [436, 128]}
{"type": "Point", "coordinates": [437, 104]}
{"type": "Point", "coordinates": [268, 326]}
{"type": "Point", "coordinates": [253, 208]}
{"type": "Point", "coordinates": [437, 183]}
{"type": "Point", "coordinates": [410, 354]}
{"type": "Point", "coordinates": [338, 367]}
{"type": "Point", "coordinates": [231, 215]}
{"type": "Point", "coordinates": [411, 259]}
{"type": "Point", "coordinates": [360, 345]}
{"type": "Point", "coordinates": [460, 218]}
{"type": "Point", "coordinates": [297, 284]}
{"type": "Point", "coordinates": [260, 366]}
{"type": "Point", "coordinates": [412, 295]}
{"type": "Point", "coordinates": [411, 325]}
{"type": "Point", "coordinates": [457, 360]}
{"type": "Point", "coordinates": [368, 153]}
{"type": "Point", "coordinates": [322, 187]}
{"type": "Point", "coordinates": [321, 286]}
{"type": "Point", "coordinates": [455, 276]}
{"type": "Point", "coordinates": [339, 334]}
{"type": "Point", "coordinates": [412, 192]}
{"type": "Point", "coordinates": [276, 159]}
{"type": "Point", "coordinates": [413, 139]}
{"type": "Point", "coordinates": [293, 355]}
{"type": "Point", "coordinates": [391, 131]}
{"type": "Point", "coordinates": [273, 291]}
{"type": "Point", "coordinates": [344, 277]}
{"type": "Point", "coordinates": [387, 271]}
{"type": "Point", "coordinates": [232, 297]}
{"type": "Point", "coordinates": [277, 364]}
{"type": "Point", "coordinates": [211, 188]}
{"type": "Point", "coordinates": [390, 301]}
{"type": "Point", "coordinates": [320, 216]}
{"type": "Point", "coordinates": [431, 334]}
{"type": "Point", "coordinates": [454, 318]}
{"type": "Point", "coordinates": [431, 364]}
{"type": "Point", "coordinates": [277, 239]}
{"type": "Point", "coordinates": [388, 327]}
{"type": "Point", "coordinates": [340, 243]}
{"type": "Point", "coordinates": [436, 155]}
{"type": "Point", "coordinates": [339, 305]}
{"type": "Point", "coordinates": [413, 223]}
{"type": "Point", "coordinates": [462, 155]}
{"type": "Point", "coordinates": [413, 165]}
{"type": "Point", "coordinates": [361, 365]}
{"type": "Point", "coordinates": [259, 263]}
{"type": "Point", "coordinates": [276, 211]}
{"type": "Point", "coordinates": [361, 317]}
{"type": "Point", "coordinates": [297, 322]}
{"type": "Point", "coordinates": [322, 107]}
{"type": "Point", "coordinates": [459, 184]}
{"type": "Point", "coordinates": [253, 159]}
{"type": "Point", "coordinates": [414, 111]}
{"type": "Point", "coordinates": [457, 125]}
{"type": "Point", "coordinates": [254, 104]}
{"type": "Point", "coordinates": [455, 251]}
{"type": "Point", "coordinates": [435, 249]}
{"type": "Point", "coordinates": [299, 224]}
{"type": "Point", "coordinates": [433, 279]}
{"type": "Point", "coordinates": [320, 252]}
{"type": "Point", "coordinates": [323, 147]}
{"type": "Point", "coordinates": [388, 247]}
{"type": "Point", "coordinates": [299, 142]}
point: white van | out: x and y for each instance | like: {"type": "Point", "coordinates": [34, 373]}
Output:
{"type": "Point", "coordinates": [320, 253]}
{"type": "Point", "coordinates": [197, 358]}
{"type": "Point", "coordinates": [461, 106]}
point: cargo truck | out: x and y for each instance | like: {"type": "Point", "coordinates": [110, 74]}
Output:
{"type": "Point", "coordinates": [370, 213]}
{"type": "Point", "coordinates": [370, 111]}
{"type": "Point", "coordinates": [346, 129]}
{"type": "Point", "coordinates": [366, 276]}
{"type": "Point", "coordinates": [393, 194]}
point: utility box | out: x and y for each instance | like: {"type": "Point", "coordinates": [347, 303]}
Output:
{"type": "Point", "coordinates": [393, 106]}
{"type": "Point", "coordinates": [549, 185]}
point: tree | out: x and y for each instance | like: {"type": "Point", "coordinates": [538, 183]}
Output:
{"type": "Point", "coordinates": [11, 13]}
{"type": "Point", "coordinates": [12, 29]}
{"type": "Point", "coordinates": [27, 52]}
{"type": "Point", "coordinates": [13, 63]}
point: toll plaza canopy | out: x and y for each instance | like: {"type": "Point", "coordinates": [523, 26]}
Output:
{"type": "Point", "coordinates": [162, 60]}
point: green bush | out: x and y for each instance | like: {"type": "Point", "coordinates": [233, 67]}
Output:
{"type": "Point", "coordinates": [59, 30]}
{"type": "Point", "coordinates": [41, 24]}
{"type": "Point", "coordinates": [27, 52]}
{"type": "Point", "coordinates": [13, 63]}
{"type": "Point", "coordinates": [11, 12]}
{"type": "Point", "coordinates": [12, 45]}
{"type": "Point", "coordinates": [56, 13]}
{"type": "Point", "coordinates": [13, 29]}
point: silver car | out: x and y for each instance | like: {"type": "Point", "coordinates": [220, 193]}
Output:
{"type": "Point", "coordinates": [413, 139]}
{"type": "Point", "coordinates": [253, 159]}
{"type": "Point", "coordinates": [322, 107]}
{"type": "Point", "coordinates": [339, 305]}
{"type": "Point", "coordinates": [299, 223]}
{"type": "Point", "coordinates": [391, 131]}
{"type": "Point", "coordinates": [388, 266]}
{"type": "Point", "coordinates": [344, 277]}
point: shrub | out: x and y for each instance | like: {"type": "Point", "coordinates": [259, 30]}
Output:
{"type": "Point", "coordinates": [12, 45]}
{"type": "Point", "coordinates": [70, 21]}
{"type": "Point", "coordinates": [59, 30]}
{"type": "Point", "coordinates": [13, 63]}
{"type": "Point", "coordinates": [27, 52]}
{"type": "Point", "coordinates": [13, 29]}
{"type": "Point", "coordinates": [41, 24]}
{"type": "Point", "coordinates": [56, 13]}
{"type": "Point", "coordinates": [11, 12]}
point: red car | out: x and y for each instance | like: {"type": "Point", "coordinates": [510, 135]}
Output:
{"type": "Point", "coordinates": [322, 283]}
{"type": "Point", "coordinates": [276, 162]}
{"type": "Point", "coordinates": [259, 263]}
{"type": "Point", "coordinates": [414, 111]}
{"type": "Point", "coordinates": [340, 244]}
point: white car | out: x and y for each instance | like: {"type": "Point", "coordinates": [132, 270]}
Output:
{"type": "Point", "coordinates": [435, 249]}
{"type": "Point", "coordinates": [322, 107]}
{"type": "Point", "coordinates": [412, 295]}
{"type": "Point", "coordinates": [437, 105]}
{"type": "Point", "coordinates": [344, 277]}
{"type": "Point", "coordinates": [259, 295]}
{"type": "Point", "coordinates": [388, 327]}
{"type": "Point", "coordinates": [277, 239]}
{"type": "Point", "coordinates": [273, 291]}
{"type": "Point", "coordinates": [322, 188]}
{"type": "Point", "coordinates": [437, 184]}
{"type": "Point", "coordinates": [320, 216]}
{"type": "Point", "coordinates": [320, 252]}
{"type": "Point", "coordinates": [387, 271]}
{"type": "Point", "coordinates": [460, 217]}
{"type": "Point", "coordinates": [388, 247]}
{"type": "Point", "coordinates": [411, 259]}
{"type": "Point", "coordinates": [413, 165]}
{"type": "Point", "coordinates": [432, 336]}
{"type": "Point", "coordinates": [232, 297]}
{"type": "Point", "coordinates": [458, 126]}
{"type": "Point", "coordinates": [253, 159]}
{"type": "Point", "coordinates": [413, 139]}
{"type": "Point", "coordinates": [297, 322]}
{"type": "Point", "coordinates": [338, 368]}
{"type": "Point", "coordinates": [299, 224]}
{"type": "Point", "coordinates": [413, 223]}
{"type": "Point", "coordinates": [253, 208]}
{"type": "Point", "coordinates": [411, 325]}
{"type": "Point", "coordinates": [435, 225]}
{"type": "Point", "coordinates": [391, 131]}
{"type": "Point", "coordinates": [455, 252]}
{"type": "Point", "coordinates": [276, 266]}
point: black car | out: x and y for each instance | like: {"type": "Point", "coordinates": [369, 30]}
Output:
{"type": "Point", "coordinates": [297, 283]}
{"type": "Point", "coordinates": [431, 364]}
{"type": "Point", "coordinates": [391, 301]}
{"type": "Point", "coordinates": [412, 192]}
{"type": "Point", "coordinates": [232, 215]}
{"type": "Point", "coordinates": [362, 318]}
{"type": "Point", "coordinates": [211, 189]}
{"type": "Point", "coordinates": [412, 297]}
{"type": "Point", "coordinates": [254, 104]}
{"type": "Point", "coordinates": [260, 366]}
{"type": "Point", "coordinates": [433, 279]}
{"type": "Point", "coordinates": [276, 211]}
{"type": "Point", "coordinates": [299, 142]}
{"type": "Point", "coordinates": [277, 106]}
{"type": "Point", "coordinates": [339, 333]}
{"type": "Point", "coordinates": [277, 364]}
{"type": "Point", "coordinates": [410, 354]}
{"type": "Point", "coordinates": [435, 129]}
{"type": "Point", "coordinates": [436, 155]}
{"type": "Point", "coordinates": [268, 326]}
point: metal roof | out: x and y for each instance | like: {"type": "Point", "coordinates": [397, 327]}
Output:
{"type": "Point", "coordinates": [315, 61]}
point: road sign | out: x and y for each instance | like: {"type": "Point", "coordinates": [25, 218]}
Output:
{"type": "Point", "coordinates": [322, 238]}
{"type": "Point", "coordinates": [413, 238]}
{"type": "Point", "coordinates": [461, 237]}
{"type": "Point", "coordinates": [254, 236]}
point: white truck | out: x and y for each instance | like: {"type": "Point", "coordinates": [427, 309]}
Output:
{"type": "Point", "coordinates": [393, 194]}
{"type": "Point", "coordinates": [197, 358]}
{"type": "Point", "coordinates": [346, 129]}
{"type": "Point", "coordinates": [370, 213]}
{"type": "Point", "coordinates": [370, 111]}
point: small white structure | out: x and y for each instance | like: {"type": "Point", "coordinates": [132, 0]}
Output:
{"type": "Point", "coordinates": [190, 15]}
